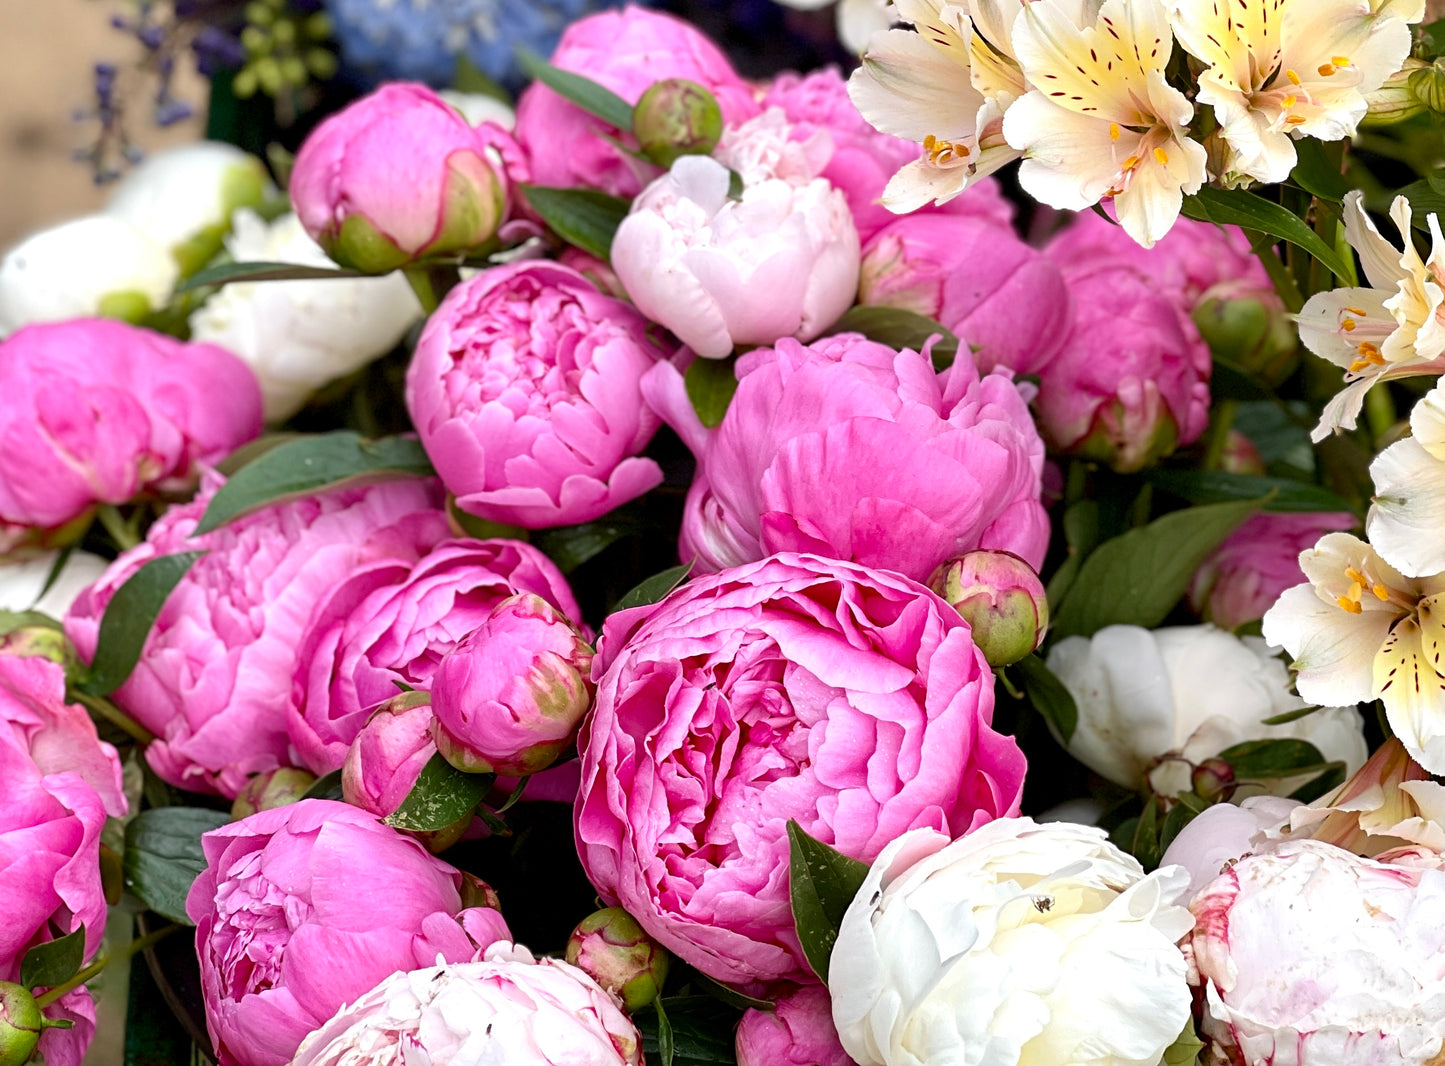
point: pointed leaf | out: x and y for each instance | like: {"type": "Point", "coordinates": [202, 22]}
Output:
{"type": "Point", "coordinates": [591, 97]}
{"type": "Point", "coordinates": [163, 856]}
{"type": "Point", "coordinates": [1315, 173]}
{"type": "Point", "coordinates": [571, 546]}
{"type": "Point", "coordinates": [821, 883]}
{"type": "Point", "coordinates": [711, 384]}
{"type": "Point", "coordinates": [1050, 696]}
{"type": "Point", "coordinates": [1279, 494]}
{"type": "Point", "coordinates": [899, 329]}
{"type": "Point", "coordinates": [227, 272]}
{"type": "Point", "coordinates": [128, 619]}
{"type": "Point", "coordinates": [1235, 207]}
{"type": "Point", "coordinates": [1255, 759]}
{"type": "Point", "coordinates": [442, 795]}
{"type": "Point", "coordinates": [54, 962]}
{"type": "Point", "coordinates": [654, 588]}
{"type": "Point", "coordinates": [583, 217]}
{"type": "Point", "coordinates": [326, 787]}
{"type": "Point", "coordinates": [700, 1027]}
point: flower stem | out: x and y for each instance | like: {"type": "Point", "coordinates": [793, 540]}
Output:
{"type": "Point", "coordinates": [125, 538]}
{"type": "Point", "coordinates": [1279, 274]}
{"type": "Point", "coordinates": [113, 714]}
{"type": "Point", "coordinates": [432, 282]}
{"type": "Point", "coordinates": [133, 948]}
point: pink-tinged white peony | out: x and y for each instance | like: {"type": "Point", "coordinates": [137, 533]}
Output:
{"type": "Point", "coordinates": [694, 258]}
{"type": "Point", "coordinates": [625, 51]}
{"type": "Point", "coordinates": [1311, 955]}
{"type": "Point", "coordinates": [215, 678]}
{"type": "Point", "coordinates": [1154, 704]}
{"type": "Point", "coordinates": [509, 697]}
{"type": "Point", "coordinates": [26, 585]}
{"type": "Point", "coordinates": [849, 699]}
{"type": "Point", "coordinates": [99, 411]}
{"type": "Point", "coordinates": [1017, 943]}
{"type": "Point", "coordinates": [1408, 508]}
{"type": "Point", "coordinates": [850, 449]}
{"type": "Point", "coordinates": [505, 1009]}
{"type": "Point", "coordinates": [303, 908]}
{"type": "Point", "coordinates": [390, 625]}
{"type": "Point", "coordinates": [798, 1031]}
{"type": "Point", "coordinates": [389, 754]}
{"type": "Point", "coordinates": [524, 388]}
{"type": "Point", "coordinates": [393, 177]}
{"type": "Point", "coordinates": [1243, 577]}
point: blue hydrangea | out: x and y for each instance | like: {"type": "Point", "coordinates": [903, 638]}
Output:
{"type": "Point", "coordinates": [422, 40]}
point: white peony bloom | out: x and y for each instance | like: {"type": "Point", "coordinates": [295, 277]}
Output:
{"type": "Point", "coordinates": [508, 1009]}
{"type": "Point", "coordinates": [22, 582]}
{"type": "Point", "coordinates": [95, 265]}
{"type": "Point", "coordinates": [1153, 703]}
{"type": "Point", "coordinates": [1312, 956]}
{"type": "Point", "coordinates": [1018, 943]}
{"type": "Point", "coordinates": [1407, 518]}
{"type": "Point", "coordinates": [298, 335]}
{"type": "Point", "coordinates": [477, 108]}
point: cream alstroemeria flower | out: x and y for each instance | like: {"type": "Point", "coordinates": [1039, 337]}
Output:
{"type": "Point", "coordinates": [1395, 328]}
{"type": "Point", "coordinates": [1100, 120]}
{"type": "Point", "coordinates": [1406, 524]}
{"type": "Point", "coordinates": [1407, 10]}
{"type": "Point", "coordinates": [1360, 630]}
{"type": "Point", "coordinates": [1283, 68]}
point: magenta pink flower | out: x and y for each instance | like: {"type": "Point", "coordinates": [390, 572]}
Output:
{"type": "Point", "coordinates": [395, 176]}
{"type": "Point", "coordinates": [215, 680]}
{"type": "Point", "coordinates": [303, 908]}
{"type": "Point", "coordinates": [852, 700]}
{"type": "Point", "coordinates": [525, 390]}
{"type": "Point", "coordinates": [850, 449]}
{"type": "Point", "coordinates": [388, 755]}
{"type": "Point", "coordinates": [626, 51]}
{"type": "Point", "coordinates": [798, 1031]}
{"type": "Point", "coordinates": [393, 624]}
{"type": "Point", "coordinates": [97, 411]}
{"type": "Point", "coordinates": [1259, 560]}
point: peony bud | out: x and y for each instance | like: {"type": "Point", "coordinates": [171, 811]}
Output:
{"type": "Point", "coordinates": [20, 1024]}
{"type": "Point", "coordinates": [1241, 456]}
{"type": "Point", "coordinates": [477, 893]}
{"type": "Point", "coordinates": [676, 117]}
{"type": "Point", "coordinates": [612, 949]}
{"type": "Point", "coordinates": [46, 642]}
{"type": "Point", "coordinates": [1001, 598]}
{"type": "Point", "coordinates": [1396, 100]}
{"type": "Point", "coordinates": [1258, 335]}
{"type": "Point", "coordinates": [509, 697]}
{"type": "Point", "coordinates": [1213, 779]}
{"type": "Point", "coordinates": [388, 755]}
{"type": "Point", "coordinates": [272, 789]}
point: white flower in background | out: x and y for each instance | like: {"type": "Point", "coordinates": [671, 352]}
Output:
{"type": "Point", "coordinates": [95, 265]}
{"type": "Point", "coordinates": [477, 108]}
{"type": "Point", "coordinates": [857, 20]}
{"type": "Point", "coordinates": [1361, 630]}
{"type": "Point", "coordinates": [1100, 121]}
{"type": "Point", "coordinates": [1018, 943]}
{"type": "Point", "coordinates": [1394, 328]}
{"type": "Point", "coordinates": [1408, 10]}
{"type": "Point", "coordinates": [946, 87]}
{"type": "Point", "coordinates": [1279, 69]}
{"type": "Point", "coordinates": [183, 198]}
{"type": "Point", "coordinates": [1154, 703]}
{"type": "Point", "coordinates": [298, 335]}
{"type": "Point", "coordinates": [22, 582]}
{"type": "Point", "coordinates": [1406, 523]}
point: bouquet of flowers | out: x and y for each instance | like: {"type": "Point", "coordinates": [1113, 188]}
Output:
{"type": "Point", "coordinates": [704, 569]}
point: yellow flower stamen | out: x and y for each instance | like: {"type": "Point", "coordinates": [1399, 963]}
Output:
{"type": "Point", "coordinates": [1326, 69]}
{"type": "Point", "coordinates": [1296, 120]}
{"type": "Point", "coordinates": [1381, 593]}
{"type": "Point", "coordinates": [1350, 605]}
{"type": "Point", "coordinates": [1161, 156]}
{"type": "Point", "coordinates": [1131, 162]}
{"type": "Point", "coordinates": [1340, 61]}
{"type": "Point", "coordinates": [1292, 76]}
{"type": "Point", "coordinates": [1114, 131]}
{"type": "Point", "coordinates": [1358, 312]}
{"type": "Point", "coordinates": [1348, 325]}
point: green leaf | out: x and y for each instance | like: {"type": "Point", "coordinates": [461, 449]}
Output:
{"type": "Point", "coordinates": [899, 329]}
{"type": "Point", "coordinates": [309, 464]}
{"type": "Point", "coordinates": [10, 621]}
{"type": "Point", "coordinates": [584, 217]}
{"type": "Point", "coordinates": [821, 883]}
{"type": "Point", "coordinates": [665, 1045]}
{"type": "Point", "coordinates": [1145, 845]}
{"type": "Point", "coordinates": [730, 996]}
{"type": "Point", "coordinates": [128, 619]}
{"type": "Point", "coordinates": [701, 1031]}
{"type": "Point", "coordinates": [584, 92]}
{"type": "Point", "coordinates": [1316, 173]}
{"type": "Point", "coordinates": [326, 787]}
{"type": "Point", "coordinates": [1137, 578]}
{"type": "Point", "coordinates": [1235, 207]}
{"type": "Point", "coordinates": [1289, 716]}
{"type": "Point", "coordinates": [710, 386]}
{"type": "Point", "coordinates": [654, 588]}
{"type": "Point", "coordinates": [1178, 817]}
{"type": "Point", "coordinates": [228, 272]}
{"type": "Point", "coordinates": [1217, 486]}
{"type": "Point", "coordinates": [1050, 697]}
{"type": "Point", "coordinates": [442, 795]}
{"type": "Point", "coordinates": [1265, 759]}
{"type": "Point", "coordinates": [163, 855]}
{"type": "Point", "coordinates": [571, 546]}
{"type": "Point", "coordinates": [1186, 1049]}
{"type": "Point", "coordinates": [54, 962]}
{"type": "Point", "coordinates": [1426, 196]}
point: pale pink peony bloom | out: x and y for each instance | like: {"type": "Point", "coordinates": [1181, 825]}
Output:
{"type": "Point", "coordinates": [798, 1031]}
{"type": "Point", "coordinates": [1223, 834]}
{"type": "Point", "coordinates": [393, 177]}
{"type": "Point", "coordinates": [303, 908]}
{"type": "Point", "coordinates": [626, 51]}
{"type": "Point", "coordinates": [525, 390]}
{"type": "Point", "coordinates": [98, 411]}
{"type": "Point", "coordinates": [1244, 576]}
{"type": "Point", "coordinates": [850, 449]}
{"type": "Point", "coordinates": [852, 700]}
{"type": "Point", "coordinates": [506, 1009]}
{"type": "Point", "coordinates": [388, 755]}
{"type": "Point", "coordinates": [215, 679]}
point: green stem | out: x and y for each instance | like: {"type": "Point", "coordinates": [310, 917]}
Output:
{"type": "Point", "coordinates": [125, 538]}
{"type": "Point", "coordinates": [1221, 419]}
{"type": "Point", "coordinates": [431, 282]}
{"type": "Point", "coordinates": [133, 948]}
{"type": "Point", "coordinates": [1279, 274]}
{"type": "Point", "coordinates": [113, 714]}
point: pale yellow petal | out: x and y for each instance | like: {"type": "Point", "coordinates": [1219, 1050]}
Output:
{"type": "Point", "coordinates": [911, 89]}
{"type": "Point", "coordinates": [1413, 694]}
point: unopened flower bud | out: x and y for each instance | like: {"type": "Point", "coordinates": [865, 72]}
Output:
{"type": "Point", "coordinates": [1395, 101]}
{"type": "Point", "coordinates": [676, 117]}
{"type": "Point", "coordinates": [274, 788]}
{"type": "Point", "coordinates": [1252, 332]}
{"type": "Point", "coordinates": [612, 949]}
{"type": "Point", "coordinates": [39, 641]}
{"type": "Point", "coordinates": [1428, 85]}
{"type": "Point", "coordinates": [1001, 598]}
{"type": "Point", "coordinates": [477, 893]}
{"type": "Point", "coordinates": [1213, 779]}
{"type": "Point", "coordinates": [1240, 456]}
{"type": "Point", "coordinates": [20, 1024]}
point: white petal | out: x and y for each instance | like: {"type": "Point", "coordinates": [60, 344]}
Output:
{"type": "Point", "coordinates": [913, 89]}
{"type": "Point", "coordinates": [1334, 651]}
{"type": "Point", "coordinates": [1381, 259]}
{"type": "Point", "coordinates": [1408, 515]}
{"type": "Point", "coordinates": [1323, 317]}
{"type": "Point", "coordinates": [1070, 158]}
{"type": "Point", "coordinates": [859, 20]}
{"type": "Point", "coordinates": [1427, 421]}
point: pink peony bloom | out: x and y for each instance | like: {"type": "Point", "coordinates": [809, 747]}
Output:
{"type": "Point", "coordinates": [525, 391]}
{"type": "Point", "coordinates": [799, 1031]}
{"type": "Point", "coordinates": [388, 755]}
{"type": "Point", "coordinates": [395, 176]}
{"type": "Point", "coordinates": [626, 51]}
{"type": "Point", "coordinates": [393, 624]}
{"type": "Point", "coordinates": [98, 411]}
{"type": "Point", "coordinates": [1259, 560]}
{"type": "Point", "coordinates": [850, 449]}
{"type": "Point", "coordinates": [1003, 298]}
{"type": "Point", "coordinates": [214, 682]}
{"type": "Point", "coordinates": [303, 908]}
{"type": "Point", "coordinates": [852, 700]}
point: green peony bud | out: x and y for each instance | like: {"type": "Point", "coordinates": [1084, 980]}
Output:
{"type": "Point", "coordinates": [267, 791]}
{"type": "Point", "coordinates": [676, 117]}
{"type": "Point", "coordinates": [1001, 598]}
{"type": "Point", "coordinates": [612, 949]}
{"type": "Point", "coordinates": [20, 1024]}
